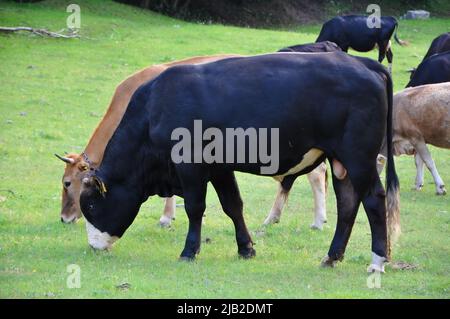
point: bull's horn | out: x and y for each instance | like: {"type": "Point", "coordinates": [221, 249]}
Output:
{"type": "Point", "coordinates": [411, 70]}
{"type": "Point", "coordinates": [67, 160]}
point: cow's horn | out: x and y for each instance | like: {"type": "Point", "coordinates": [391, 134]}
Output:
{"type": "Point", "coordinates": [65, 159]}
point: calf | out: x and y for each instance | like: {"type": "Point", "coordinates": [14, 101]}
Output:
{"type": "Point", "coordinates": [352, 31]}
{"type": "Point", "coordinates": [422, 116]}
{"type": "Point", "coordinates": [282, 93]}
{"type": "Point", "coordinates": [435, 69]}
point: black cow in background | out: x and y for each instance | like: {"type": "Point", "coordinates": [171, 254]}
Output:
{"type": "Point", "coordinates": [439, 45]}
{"type": "Point", "coordinates": [435, 69]}
{"type": "Point", "coordinates": [352, 31]}
{"type": "Point", "coordinates": [325, 46]}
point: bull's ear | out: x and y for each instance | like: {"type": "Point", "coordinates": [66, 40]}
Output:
{"type": "Point", "coordinates": [101, 187]}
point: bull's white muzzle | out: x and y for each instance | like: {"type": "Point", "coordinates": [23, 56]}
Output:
{"type": "Point", "coordinates": [99, 240]}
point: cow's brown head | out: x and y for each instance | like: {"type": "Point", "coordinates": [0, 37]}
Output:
{"type": "Point", "coordinates": [76, 169]}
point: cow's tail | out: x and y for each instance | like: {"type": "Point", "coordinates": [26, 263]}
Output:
{"type": "Point", "coordinates": [399, 41]}
{"type": "Point", "coordinates": [392, 183]}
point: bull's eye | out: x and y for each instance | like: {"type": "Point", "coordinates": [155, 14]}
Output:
{"type": "Point", "coordinates": [91, 207]}
{"type": "Point", "coordinates": [67, 184]}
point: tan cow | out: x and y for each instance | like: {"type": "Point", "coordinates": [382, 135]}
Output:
{"type": "Point", "coordinates": [422, 116]}
{"type": "Point", "coordinates": [77, 165]}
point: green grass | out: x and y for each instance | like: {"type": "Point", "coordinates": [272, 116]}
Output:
{"type": "Point", "coordinates": [64, 86]}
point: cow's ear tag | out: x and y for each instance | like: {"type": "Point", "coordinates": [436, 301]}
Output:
{"type": "Point", "coordinates": [100, 185]}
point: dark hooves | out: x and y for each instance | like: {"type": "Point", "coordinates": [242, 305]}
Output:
{"type": "Point", "coordinates": [247, 253]}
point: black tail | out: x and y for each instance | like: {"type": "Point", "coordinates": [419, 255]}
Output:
{"type": "Point", "coordinates": [392, 183]}
{"type": "Point", "coordinates": [401, 42]}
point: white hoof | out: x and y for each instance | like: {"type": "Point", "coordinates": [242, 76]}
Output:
{"type": "Point", "coordinates": [317, 226]}
{"type": "Point", "coordinates": [271, 220]}
{"type": "Point", "coordinates": [441, 190]}
{"type": "Point", "coordinates": [165, 221]}
{"type": "Point", "coordinates": [377, 264]}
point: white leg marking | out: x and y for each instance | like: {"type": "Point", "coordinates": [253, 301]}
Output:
{"type": "Point", "coordinates": [419, 169]}
{"type": "Point", "coordinates": [377, 263]}
{"type": "Point", "coordinates": [275, 212]}
{"type": "Point", "coordinates": [317, 180]}
{"type": "Point", "coordinates": [97, 239]}
{"type": "Point", "coordinates": [169, 212]}
{"type": "Point", "coordinates": [424, 153]}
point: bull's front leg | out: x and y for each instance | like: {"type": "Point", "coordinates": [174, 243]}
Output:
{"type": "Point", "coordinates": [169, 212]}
{"type": "Point", "coordinates": [194, 183]}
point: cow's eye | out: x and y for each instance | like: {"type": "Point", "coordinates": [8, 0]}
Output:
{"type": "Point", "coordinates": [67, 184]}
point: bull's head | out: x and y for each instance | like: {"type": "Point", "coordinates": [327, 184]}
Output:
{"type": "Point", "coordinates": [76, 169]}
{"type": "Point", "coordinates": [109, 209]}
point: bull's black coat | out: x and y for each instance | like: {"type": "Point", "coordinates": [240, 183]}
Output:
{"type": "Point", "coordinates": [439, 45]}
{"type": "Point", "coordinates": [330, 101]}
{"type": "Point", "coordinates": [435, 69]}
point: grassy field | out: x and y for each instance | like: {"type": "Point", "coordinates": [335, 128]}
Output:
{"type": "Point", "coordinates": [52, 94]}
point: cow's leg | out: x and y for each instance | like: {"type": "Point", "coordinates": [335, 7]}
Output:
{"type": "Point", "coordinates": [347, 206]}
{"type": "Point", "coordinates": [280, 200]}
{"type": "Point", "coordinates": [169, 212]}
{"type": "Point", "coordinates": [389, 56]}
{"type": "Point", "coordinates": [381, 51]}
{"type": "Point", "coordinates": [419, 168]}
{"type": "Point", "coordinates": [375, 207]}
{"type": "Point", "coordinates": [424, 153]}
{"type": "Point", "coordinates": [194, 204]}
{"type": "Point", "coordinates": [225, 184]}
{"type": "Point", "coordinates": [317, 179]}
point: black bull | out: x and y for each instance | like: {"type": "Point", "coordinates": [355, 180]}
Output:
{"type": "Point", "coordinates": [332, 102]}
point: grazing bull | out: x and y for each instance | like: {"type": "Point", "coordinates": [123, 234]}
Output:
{"type": "Point", "coordinates": [78, 165]}
{"type": "Point", "coordinates": [281, 93]}
{"type": "Point", "coordinates": [435, 69]}
{"type": "Point", "coordinates": [422, 116]}
{"type": "Point", "coordinates": [352, 31]}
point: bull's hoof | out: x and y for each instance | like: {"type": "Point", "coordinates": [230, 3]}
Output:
{"type": "Point", "coordinates": [186, 259]}
{"type": "Point", "coordinates": [247, 253]}
{"type": "Point", "coordinates": [328, 262]}
{"type": "Point", "coordinates": [375, 268]}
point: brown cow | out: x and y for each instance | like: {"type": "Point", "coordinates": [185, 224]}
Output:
{"type": "Point", "coordinates": [78, 164]}
{"type": "Point", "coordinates": [422, 116]}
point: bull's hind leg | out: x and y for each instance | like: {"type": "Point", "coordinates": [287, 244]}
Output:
{"type": "Point", "coordinates": [389, 57]}
{"type": "Point", "coordinates": [424, 153]}
{"type": "Point", "coordinates": [347, 206]}
{"type": "Point", "coordinates": [375, 206]}
{"type": "Point", "coordinates": [227, 190]}
{"type": "Point", "coordinates": [194, 203]}
{"type": "Point", "coordinates": [419, 171]}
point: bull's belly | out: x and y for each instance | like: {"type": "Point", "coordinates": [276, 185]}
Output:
{"type": "Point", "coordinates": [308, 160]}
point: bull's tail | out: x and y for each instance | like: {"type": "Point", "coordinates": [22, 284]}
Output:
{"type": "Point", "coordinates": [399, 41]}
{"type": "Point", "coordinates": [392, 183]}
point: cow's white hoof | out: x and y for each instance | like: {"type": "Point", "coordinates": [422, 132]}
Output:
{"type": "Point", "coordinates": [165, 221]}
{"type": "Point", "coordinates": [417, 187]}
{"type": "Point", "coordinates": [441, 190]}
{"type": "Point", "coordinates": [271, 219]}
{"type": "Point", "coordinates": [377, 264]}
{"type": "Point", "coordinates": [316, 226]}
